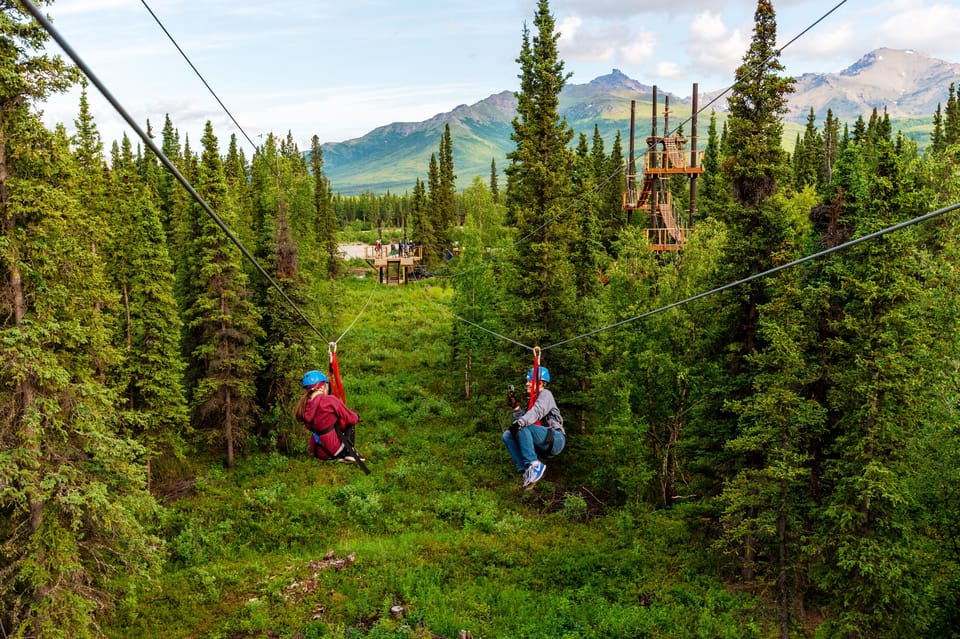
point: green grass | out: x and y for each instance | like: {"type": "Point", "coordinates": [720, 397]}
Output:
{"type": "Point", "coordinates": [440, 527]}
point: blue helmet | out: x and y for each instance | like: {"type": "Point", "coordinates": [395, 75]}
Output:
{"type": "Point", "coordinates": [543, 373]}
{"type": "Point", "coordinates": [312, 378]}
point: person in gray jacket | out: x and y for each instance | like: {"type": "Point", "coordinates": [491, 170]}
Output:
{"type": "Point", "coordinates": [536, 432]}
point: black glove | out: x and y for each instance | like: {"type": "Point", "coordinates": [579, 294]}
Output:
{"type": "Point", "coordinates": [512, 398]}
{"type": "Point", "coordinates": [516, 426]}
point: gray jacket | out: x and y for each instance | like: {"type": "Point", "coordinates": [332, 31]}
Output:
{"type": "Point", "coordinates": [544, 410]}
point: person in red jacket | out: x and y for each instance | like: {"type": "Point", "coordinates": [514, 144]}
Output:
{"type": "Point", "coordinates": [331, 422]}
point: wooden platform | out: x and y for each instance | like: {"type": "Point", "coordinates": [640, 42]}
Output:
{"type": "Point", "coordinates": [393, 267]}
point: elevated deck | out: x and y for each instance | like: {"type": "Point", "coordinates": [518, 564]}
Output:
{"type": "Point", "coordinates": [393, 267]}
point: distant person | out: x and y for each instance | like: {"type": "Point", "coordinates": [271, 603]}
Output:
{"type": "Point", "coordinates": [377, 247]}
{"type": "Point", "coordinates": [537, 432]}
{"type": "Point", "coordinates": [331, 423]}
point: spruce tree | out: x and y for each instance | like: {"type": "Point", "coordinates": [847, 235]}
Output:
{"type": "Point", "coordinates": [587, 255]}
{"type": "Point", "coordinates": [289, 224]}
{"type": "Point", "coordinates": [831, 148]}
{"type": "Point", "coordinates": [937, 141]}
{"type": "Point", "coordinates": [72, 491]}
{"type": "Point", "coordinates": [759, 229]}
{"type": "Point", "coordinates": [611, 178]}
{"type": "Point", "coordinates": [539, 178]}
{"type": "Point", "coordinates": [421, 225]}
{"type": "Point", "coordinates": [222, 317]}
{"type": "Point", "coordinates": [542, 279]}
{"type": "Point", "coordinates": [755, 159]}
{"type": "Point", "coordinates": [447, 204]}
{"type": "Point", "coordinates": [323, 210]}
{"type": "Point", "coordinates": [172, 197]}
{"type": "Point", "coordinates": [882, 366]}
{"type": "Point", "coordinates": [809, 156]}
{"type": "Point", "coordinates": [711, 193]}
{"type": "Point", "coordinates": [951, 116]}
{"type": "Point", "coordinates": [150, 377]}
{"type": "Point", "coordinates": [433, 253]}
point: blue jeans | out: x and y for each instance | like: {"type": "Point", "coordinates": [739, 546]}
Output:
{"type": "Point", "coordinates": [529, 441]}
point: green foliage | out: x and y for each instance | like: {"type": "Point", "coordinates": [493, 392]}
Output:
{"type": "Point", "coordinates": [732, 460]}
{"type": "Point", "coordinates": [72, 490]}
{"type": "Point", "coordinates": [755, 159]}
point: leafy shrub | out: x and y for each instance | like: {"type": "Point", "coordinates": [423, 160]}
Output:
{"type": "Point", "coordinates": [574, 507]}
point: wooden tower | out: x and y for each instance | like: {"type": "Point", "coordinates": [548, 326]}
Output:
{"type": "Point", "coordinates": [665, 157]}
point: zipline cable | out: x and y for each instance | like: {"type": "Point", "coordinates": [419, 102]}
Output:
{"type": "Point", "coordinates": [768, 272]}
{"type": "Point", "coordinates": [195, 70]}
{"type": "Point", "coordinates": [46, 24]}
{"type": "Point", "coordinates": [342, 335]}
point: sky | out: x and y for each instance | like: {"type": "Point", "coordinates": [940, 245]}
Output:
{"type": "Point", "coordinates": [338, 69]}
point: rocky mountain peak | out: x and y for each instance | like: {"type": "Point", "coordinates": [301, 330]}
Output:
{"type": "Point", "coordinates": [904, 81]}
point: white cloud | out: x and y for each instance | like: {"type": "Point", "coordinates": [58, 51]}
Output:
{"type": "Point", "coordinates": [641, 48]}
{"type": "Point", "coordinates": [934, 29]}
{"type": "Point", "coordinates": [708, 26]}
{"type": "Point", "coordinates": [713, 47]}
{"type": "Point", "coordinates": [668, 71]}
{"type": "Point", "coordinates": [625, 9]}
{"type": "Point", "coordinates": [590, 43]}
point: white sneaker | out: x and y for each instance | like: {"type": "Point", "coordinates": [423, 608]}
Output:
{"type": "Point", "coordinates": [535, 472]}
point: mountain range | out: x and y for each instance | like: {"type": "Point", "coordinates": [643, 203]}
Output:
{"type": "Point", "coordinates": [908, 84]}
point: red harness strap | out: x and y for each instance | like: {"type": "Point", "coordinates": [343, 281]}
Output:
{"type": "Point", "coordinates": [535, 386]}
{"type": "Point", "coordinates": [336, 385]}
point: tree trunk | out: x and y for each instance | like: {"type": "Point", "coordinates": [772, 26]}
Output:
{"type": "Point", "coordinates": [228, 423]}
{"type": "Point", "coordinates": [783, 588]}
{"type": "Point", "coordinates": [26, 391]}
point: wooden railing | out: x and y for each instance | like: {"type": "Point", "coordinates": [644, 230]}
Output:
{"type": "Point", "coordinates": [673, 160]}
{"type": "Point", "coordinates": [371, 253]}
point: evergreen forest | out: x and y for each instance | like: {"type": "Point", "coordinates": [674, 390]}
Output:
{"type": "Point", "coordinates": [762, 427]}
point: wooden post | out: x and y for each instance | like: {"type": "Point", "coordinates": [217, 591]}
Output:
{"type": "Point", "coordinates": [693, 154]}
{"type": "Point", "coordinates": [653, 160]}
{"type": "Point", "coordinates": [632, 165]}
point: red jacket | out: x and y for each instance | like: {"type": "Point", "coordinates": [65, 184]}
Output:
{"type": "Point", "coordinates": [321, 414]}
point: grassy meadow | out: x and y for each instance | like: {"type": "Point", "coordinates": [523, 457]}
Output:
{"type": "Point", "coordinates": [439, 538]}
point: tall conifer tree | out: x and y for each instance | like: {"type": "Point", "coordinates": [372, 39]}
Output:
{"type": "Point", "coordinates": [756, 160]}
{"type": "Point", "coordinates": [222, 317]}
{"type": "Point", "coordinates": [149, 329]}
{"type": "Point", "coordinates": [447, 192]}
{"type": "Point", "coordinates": [421, 225]}
{"type": "Point", "coordinates": [758, 233]}
{"type": "Point", "coordinates": [882, 363]}
{"type": "Point", "coordinates": [539, 179]}
{"type": "Point", "coordinates": [290, 221]}
{"type": "Point", "coordinates": [325, 215]}
{"type": "Point", "coordinates": [71, 491]}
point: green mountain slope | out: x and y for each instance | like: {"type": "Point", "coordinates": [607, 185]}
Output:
{"type": "Point", "coordinates": [391, 157]}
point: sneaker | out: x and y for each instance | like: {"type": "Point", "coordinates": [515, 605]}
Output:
{"type": "Point", "coordinates": [534, 473]}
{"type": "Point", "coordinates": [352, 459]}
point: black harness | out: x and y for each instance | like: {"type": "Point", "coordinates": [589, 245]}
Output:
{"type": "Point", "coordinates": [319, 442]}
